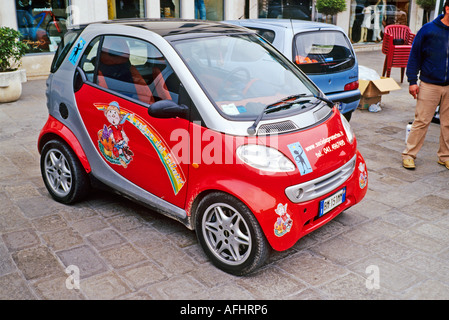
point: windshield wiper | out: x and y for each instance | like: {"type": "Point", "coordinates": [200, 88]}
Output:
{"type": "Point", "coordinates": [339, 64]}
{"type": "Point", "coordinates": [277, 106]}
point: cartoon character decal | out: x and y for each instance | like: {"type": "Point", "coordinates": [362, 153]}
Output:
{"type": "Point", "coordinates": [363, 178]}
{"type": "Point", "coordinates": [283, 223]}
{"type": "Point", "coordinates": [302, 162]}
{"type": "Point", "coordinates": [113, 141]}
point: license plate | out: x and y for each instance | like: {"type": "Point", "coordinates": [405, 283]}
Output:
{"type": "Point", "coordinates": [332, 202]}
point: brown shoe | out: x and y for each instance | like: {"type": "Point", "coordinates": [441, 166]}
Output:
{"type": "Point", "coordinates": [444, 163]}
{"type": "Point", "coordinates": [408, 164]}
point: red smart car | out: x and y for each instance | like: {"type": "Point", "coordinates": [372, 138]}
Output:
{"type": "Point", "coordinates": [203, 122]}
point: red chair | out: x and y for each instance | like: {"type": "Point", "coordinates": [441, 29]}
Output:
{"type": "Point", "coordinates": [396, 46]}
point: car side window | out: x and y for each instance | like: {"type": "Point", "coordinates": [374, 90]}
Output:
{"type": "Point", "coordinates": [136, 69]}
{"type": "Point", "coordinates": [88, 60]}
{"type": "Point", "coordinates": [265, 33]}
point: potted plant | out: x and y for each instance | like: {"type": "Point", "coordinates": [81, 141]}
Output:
{"type": "Point", "coordinates": [330, 7]}
{"type": "Point", "coordinates": [11, 52]}
{"type": "Point", "coordinates": [427, 6]}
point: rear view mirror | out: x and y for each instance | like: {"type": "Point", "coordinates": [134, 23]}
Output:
{"type": "Point", "coordinates": [167, 109]}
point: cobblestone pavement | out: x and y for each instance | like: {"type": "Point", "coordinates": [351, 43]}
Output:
{"type": "Point", "coordinates": [399, 232]}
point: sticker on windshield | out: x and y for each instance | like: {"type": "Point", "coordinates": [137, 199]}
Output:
{"type": "Point", "coordinates": [76, 52]}
{"type": "Point", "coordinates": [300, 157]}
{"type": "Point", "coordinates": [230, 109]}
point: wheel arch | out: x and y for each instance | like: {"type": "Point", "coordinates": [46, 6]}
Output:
{"type": "Point", "coordinates": [55, 130]}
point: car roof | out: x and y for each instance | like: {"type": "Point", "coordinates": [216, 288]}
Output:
{"type": "Point", "coordinates": [297, 25]}
{"type": "Point", "coordinates": [175, 28]}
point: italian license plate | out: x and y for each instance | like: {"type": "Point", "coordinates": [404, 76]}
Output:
{"type": "Point", "coordinates": [332, 202]}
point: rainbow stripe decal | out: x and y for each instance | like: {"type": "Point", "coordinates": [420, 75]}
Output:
{"type": "Point", "coordinates": [171, 166]}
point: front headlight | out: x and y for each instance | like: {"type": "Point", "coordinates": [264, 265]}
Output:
{"type": "Point", "coordinates": [264, 158]}
{"type": "Point", "coordinates": [347, 127]}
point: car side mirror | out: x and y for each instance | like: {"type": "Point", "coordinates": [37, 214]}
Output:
{"type": "Point", "coordinates": [168, 109]}
{"type": "Point", "coordinates": [78, 79]}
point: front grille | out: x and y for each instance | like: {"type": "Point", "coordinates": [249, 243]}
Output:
{"type": "Point", "coordinates": [278, 127]}
{"type": "Point", "coordinates": [320, 186]}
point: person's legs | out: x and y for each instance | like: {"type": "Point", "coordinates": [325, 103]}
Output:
{"type": "Point", "coordinates": [443, 152]}
{"type": "Point", "coordinates": [428, 99]}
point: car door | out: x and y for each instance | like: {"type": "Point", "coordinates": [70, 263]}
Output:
{"type": "Point", "coordinates": [123, 77]}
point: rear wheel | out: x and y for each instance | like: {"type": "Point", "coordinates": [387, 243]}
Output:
{"type": "Point", "coordinates": [63, 175]}
{"type": "Point", "coordinates": [230, 234]}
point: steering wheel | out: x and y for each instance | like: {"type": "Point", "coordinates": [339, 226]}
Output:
{"type": "Point", "coordinates": [231, 90]}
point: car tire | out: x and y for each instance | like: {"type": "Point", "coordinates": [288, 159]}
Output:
{"type": "Point", "coordinates": [229, 234]}
{"type": "Point", "coordinates": [63, 175]}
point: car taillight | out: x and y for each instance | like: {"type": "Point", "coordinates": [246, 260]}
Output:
{"type": "Point", "coordinates": [351, 86]}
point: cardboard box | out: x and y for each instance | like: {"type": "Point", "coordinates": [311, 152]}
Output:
{"type": "Point", "coordinates": [372, 90]}
{"type": "Point", "coordinates": [366, 102]}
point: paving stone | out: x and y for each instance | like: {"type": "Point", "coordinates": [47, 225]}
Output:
{"type": "Point", "coordinates": [104, 287]}
{"type": "Point", "coordinates": [428, 290]}
{"type": "Point", "coordinates": [49, 223]}
{"type": "Point", "coordinates": [311, 269]}
{"type": "Point", "coordinates": [271, 283]}
{"type": "Point", "coordinates": [170, 289]}
{"type": "Point", "coordinates": [83, 257]}
{"type": "Point", "coordinates": [353, 287]}
{"type": "Point", "coordinates": [105, 238]}
{"type": "Point", "coordinates": [62, 239]}
{"type": "Point", "coordinates": [122, 256]}
{"type": "Point", "coordinates": [142, 275]}
{"type": "Point", "coordinates": [56, 289]}
{"type": "Point", "coordinates": [36, 262]}
{"type": "Point", "coordinates": [14, 287]}
{"type": "Point", "coordinates": [6, 263]}
{"type": "Point", "coordinates": [89, 225]}
{"type": "Point", "coordinates": [341, 251]}
{"type": "Point", "coordinates": [19, 240]}
{"type": "Point", "coordinates": [12, 218]}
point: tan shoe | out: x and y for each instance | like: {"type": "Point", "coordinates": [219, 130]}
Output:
{"type": "Point", "coordinates": [408, 164]}
{"type": "Point", "coordinates": [444, 163]}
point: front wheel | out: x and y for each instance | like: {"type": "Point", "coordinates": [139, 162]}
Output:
{"type": "Point", "coordinates": [230, 234]}
{"type": "Point", "coordinates": [63, 174]}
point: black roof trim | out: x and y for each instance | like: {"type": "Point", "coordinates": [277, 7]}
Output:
{"type": "Point", "coordinates": [175, 28]}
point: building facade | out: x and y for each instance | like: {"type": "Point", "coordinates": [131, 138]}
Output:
{"type": "Point", "coordinates": [43, 22]}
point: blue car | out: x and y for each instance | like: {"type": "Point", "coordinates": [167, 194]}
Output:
{"type": "Point", "coordinates": [322, 51]}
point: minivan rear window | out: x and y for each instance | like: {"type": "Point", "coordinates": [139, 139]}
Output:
{"type": "Point", "coordinates": [321, 52]}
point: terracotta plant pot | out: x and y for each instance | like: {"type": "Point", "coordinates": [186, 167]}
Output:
{"type": "Point", "coordinates": [11, 85]}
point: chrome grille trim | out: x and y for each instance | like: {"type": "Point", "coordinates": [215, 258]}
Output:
{"type": "Point", "coordinates": [320, 186]}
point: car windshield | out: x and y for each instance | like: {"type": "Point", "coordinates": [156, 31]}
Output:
{"type": "Point", "coordinates": [322, 52]}
{"type": "Point", "coordinates": [244, 76]}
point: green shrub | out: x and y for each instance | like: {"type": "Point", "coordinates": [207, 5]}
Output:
{"type": "Point", "coordinates": [330, 7]}
{"type": "Point", "coordinates": [12, 49]}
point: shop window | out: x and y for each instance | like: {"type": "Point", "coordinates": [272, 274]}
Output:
{"type": "Point", "coordinates": [369, 18]}
{"type": "Point", "coordinates": [285, 9]}
{"type": "Point", "coordinates": [121, 9]}
{"type": "Point", "coordinates": [213, 8]}
{"type": "Point", "coordinates": [169, 8]}
{"type": "Point", "coordinates": [42, 23]}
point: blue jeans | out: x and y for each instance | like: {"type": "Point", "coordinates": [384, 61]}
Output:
{"type": "Point", "coordinates": [201, 8]}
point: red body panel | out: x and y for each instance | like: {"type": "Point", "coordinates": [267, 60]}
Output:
{"type": "Point", "coordinates": [53, 126]}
